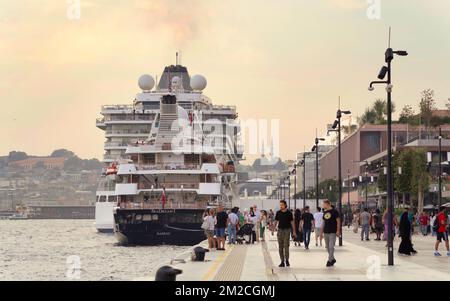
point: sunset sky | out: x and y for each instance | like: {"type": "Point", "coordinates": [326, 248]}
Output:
{"type": "Point", "coordinates": [285, 59]}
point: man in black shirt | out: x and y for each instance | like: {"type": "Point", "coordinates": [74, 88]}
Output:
{"type": "Point", "coordinates": [285, 222]}
{"type": "Point", "coordinates": [307, 224]}
{"type": "Point", "coordinates": [330, 230]}
{"type": "Point", "coordinates": [219, 229]}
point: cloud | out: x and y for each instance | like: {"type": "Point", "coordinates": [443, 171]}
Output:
{"type": "Point", "coordinates": [183, 19]}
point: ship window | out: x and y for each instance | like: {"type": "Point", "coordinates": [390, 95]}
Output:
{"type": "Point", "coordinates": [138, 217]}
{"type": "Point", "coordinates": [147, 217]}
{"type": "Point", "coordinates": [102, 198]}
{"type": "Point", "coordinates": [155, 217]}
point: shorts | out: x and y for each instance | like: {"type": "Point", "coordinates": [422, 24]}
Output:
{"type": "Point", "coordinates": [442, 236]}
{"type": "Point", "coordinates": [209, 233]}
{"type": "Point", "coordinates": [219, 232]}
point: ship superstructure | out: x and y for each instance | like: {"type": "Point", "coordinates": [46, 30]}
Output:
{"type": "Point", "coordinates": [144, 123]}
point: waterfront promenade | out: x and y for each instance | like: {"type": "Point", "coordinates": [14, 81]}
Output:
{"type": "Point", "coordinates": [357, 260]}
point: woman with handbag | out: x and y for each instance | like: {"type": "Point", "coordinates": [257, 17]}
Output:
{"type": "Point", "coordinates": [208, 226]}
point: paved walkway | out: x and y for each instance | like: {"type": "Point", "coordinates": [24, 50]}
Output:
{"type": "Point", "coordinates": [356, 260]}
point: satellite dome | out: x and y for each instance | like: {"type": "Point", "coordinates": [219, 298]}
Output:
{"type": "Point", "coordinates": [198, 82]}
{"type": "Point", "coordinates": [146, 82]}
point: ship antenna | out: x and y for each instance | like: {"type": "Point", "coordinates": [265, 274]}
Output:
{"type": "Point", "coordinates": [389, 41]}
{"type": "Point", "coordinates": [176, 59]}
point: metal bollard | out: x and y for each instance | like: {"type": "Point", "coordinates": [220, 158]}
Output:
{"type": "Point", "coordinates": [167, 273]}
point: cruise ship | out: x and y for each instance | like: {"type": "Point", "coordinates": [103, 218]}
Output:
{"type": "Point", "coordinates": [172, 143]}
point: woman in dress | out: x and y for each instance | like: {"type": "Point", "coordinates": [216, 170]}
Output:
{"type": "Point", "coordinates": [406, 247]}
{"type": "Point", "coordinates": [263, 224]}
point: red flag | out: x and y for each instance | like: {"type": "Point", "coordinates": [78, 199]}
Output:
{"type": "Point", "coordinates": [163, 197]}
{"type": "Point", "coordinates": [191, 117]}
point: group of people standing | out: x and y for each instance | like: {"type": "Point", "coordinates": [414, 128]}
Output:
{"type": "Point", "coordinates": [326, 224]}
{"type": "Point", "coordinates": [219, 224]}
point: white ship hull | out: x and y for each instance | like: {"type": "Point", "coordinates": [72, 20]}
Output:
{"type": "Point", "coordinates": [104, 217]}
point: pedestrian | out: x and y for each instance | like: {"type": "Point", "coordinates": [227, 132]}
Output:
{"type": "Point", "coordinates": [271, 221]}
{"type": "Point", "coordinates": [208, 226]}
{"type": "Point", "coordinates": [285, 223]}
{"type": "Point", "coordinates": [406, 247]}
{"type": "Point", "coordinates": [221, 224]}
{"type": "Point", "coordinates": [365, 221]}
{"type": "Point", "coordinates": [297, 219]}
{"type": "Point", "coordinates": [432, 219]}
{"type": "Point", "coordinates": [377, 221]}
{"type": "Point", "coordinates": [440, 226]}
{"type": "Point", "coordinates": [424, 220]}
{"type": "Point", "coordinates": [257, 221]}
{"type": "Point", "coordinates": [307, 224]}
{"type": "Point", "coordinates": [233, 221]}
{"type": "Point", "coordinates": [318, 224]}
{"type": "Point", "coordinates": [252, 220]}
{"type": "Point", "coordinates": [331, 230]}
{"type": "Point", "coordinates": [355, 222]}
{"type": "Point", "coordinates": [263, 223]}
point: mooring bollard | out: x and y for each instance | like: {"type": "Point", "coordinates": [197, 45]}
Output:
{"type": "Point", "coordinates": [167, 273]}
{"type": "Point", "coordinates": [198, 254]}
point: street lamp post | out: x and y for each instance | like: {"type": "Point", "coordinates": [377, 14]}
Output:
{"type": "Point", "coordinates": [440, 167]}
{"type": "Point", "coordinates": [316, 149]}
{"type": "Point", "coordinates": [386, 70]}
{"type": "Point", "coordinates": [295, 185]}
{"type": "Point", "coordinates": [336, 127]}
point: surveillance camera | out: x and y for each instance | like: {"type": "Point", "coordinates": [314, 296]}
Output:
{"type": "Point", "coordinates": [371, 88]}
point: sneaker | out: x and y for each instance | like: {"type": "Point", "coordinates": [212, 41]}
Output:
{"type": "Point", "coordinates": [306, 248]}
{"type": "Point", "coordinates": [367, 239]}
{"type": "Point", "coordinates": [287, 263]}
{"type": "Point", "coordinates": [329, 264]}
{"type": "Point", "coordinates": [436, 253]}
{"type": "Point", "coordinates": [333, 262]}
{"type": "Point", "coordinates": [281, 265]}
{"type": "Point", "coordinates": [317, 244]}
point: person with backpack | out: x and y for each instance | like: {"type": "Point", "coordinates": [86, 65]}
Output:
{"type": "Point", "coordinates": [440, 226]}
{"type": "Point", "coordinates": [377, 221]}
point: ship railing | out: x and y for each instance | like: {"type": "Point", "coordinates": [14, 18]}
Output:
{"type": "Point", "coordinates": [169, 167]}
{"type": "Point", "coordinates": [169, 186]}
{"type": "Point", "coordinates": [117, 107]}
{"type": "Point", "coordinates": [158, 205]}
{"type": "Point", "coordinates": [127, 118]}
{"type": "Point", "coordinates": [116, 144]}
{"type": "Point", "coordinates": [128, 132]}
{"type": "Point", "coordinates": [223, 107]}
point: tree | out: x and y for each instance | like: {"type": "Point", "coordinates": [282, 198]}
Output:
{"type": "Point", "coordinates": [380, 109]}
{"type": "Point", "coordinates": [16, 156]}
{"type": "Point", "coordinates": [62, 153]}
{"type": "Point", "coordinates": [406, 115]}
{"type": "Point", "coordinates": [427, 106]}
{"type": "Point", "coordinates": [369, 117]}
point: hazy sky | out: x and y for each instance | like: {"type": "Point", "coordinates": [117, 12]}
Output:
{"type": "Point", "coordinates": [285, 59]}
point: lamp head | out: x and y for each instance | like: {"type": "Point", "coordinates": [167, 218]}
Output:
{"type": "Point", "coordinates": [371, 88]}
{"type": "Point", "coordinates": [384, 70]}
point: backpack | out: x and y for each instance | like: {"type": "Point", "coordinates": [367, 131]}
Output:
{"type": "Point", "coordinates": [436, 223]}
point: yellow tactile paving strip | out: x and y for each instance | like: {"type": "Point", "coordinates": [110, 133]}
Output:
{"type": "Point", "coordinates": [231, 269]}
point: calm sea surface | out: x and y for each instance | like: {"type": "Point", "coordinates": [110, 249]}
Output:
{"type": "Point", "coordinates": [73, 250]}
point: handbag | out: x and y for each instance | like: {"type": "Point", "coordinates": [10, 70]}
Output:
{"type": "Point", "coordinates": [205, 225]}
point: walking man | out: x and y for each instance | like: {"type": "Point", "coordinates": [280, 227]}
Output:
{"type": "Point", "coordinates": [285, 223]}
{"type": "Point", "coordinates": [219, 230]}
{"type": "Point", "coordinates": [331, 230]}
{"type": "Point", "coordinates": [378, 224]}
{"type": "Point", "coordinates": [318, 223]}
{"type": "Point", "coordinates": [441, 231]}
{"type": "Point", "coordinates": [364, 220]}
{"type": "Point", "coordinates": [307, 224]}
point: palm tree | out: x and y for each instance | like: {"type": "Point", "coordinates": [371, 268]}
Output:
{"type": "Point", "coordinates": [369, 117]}
{"type": "Point", "coordinates": [380, 109]}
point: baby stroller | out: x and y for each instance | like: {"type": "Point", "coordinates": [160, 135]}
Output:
{"type": "Point", "coordinates": [244, 234]}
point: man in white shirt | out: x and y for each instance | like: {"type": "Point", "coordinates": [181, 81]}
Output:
{"type": "Point", "coordinates": [233, 220]}
{"type": "Point", "coordinates": [318, 221]}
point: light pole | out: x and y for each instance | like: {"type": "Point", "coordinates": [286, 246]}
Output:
{"type": "Point", "coordinates": [316, 149]}
{"type": "Point", "coordinates": [295, 185]}
{"type": "Point", "coordinates": [303, 162]}
{"type": "Point", "coordinates": [389, 56]}
{"type": "Point", "coordinates": [440, 167]}
{"type": "Point", "coordinates": [336, 127]}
